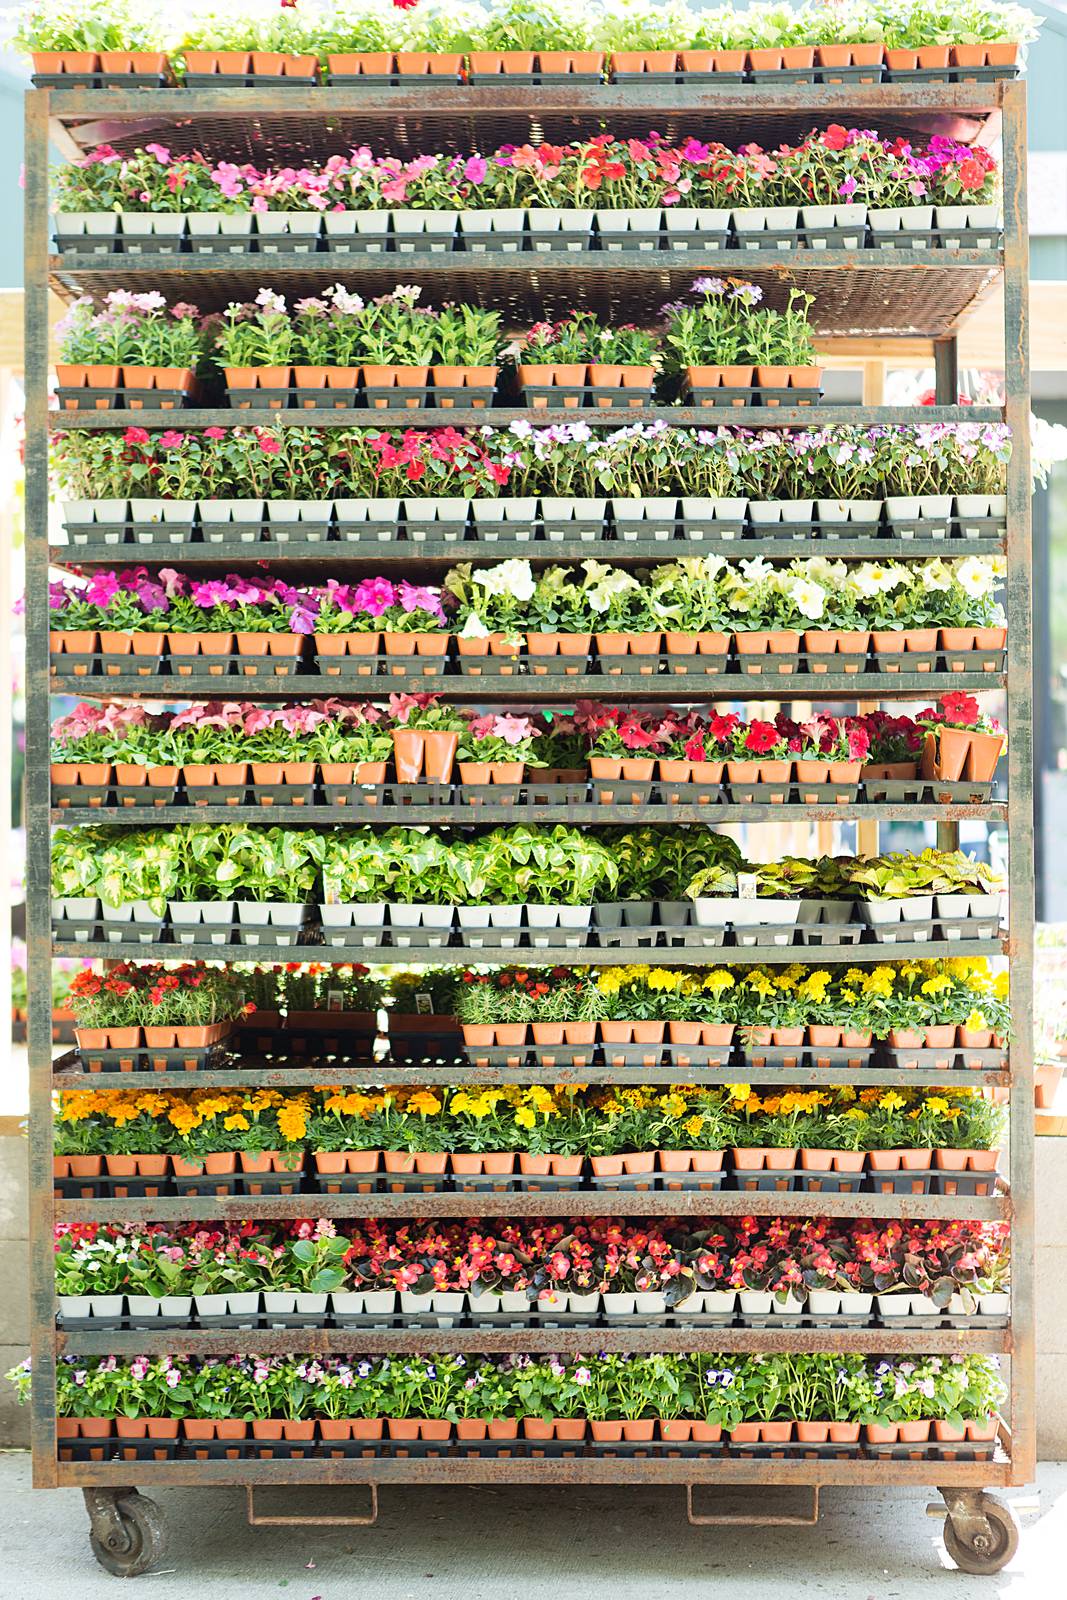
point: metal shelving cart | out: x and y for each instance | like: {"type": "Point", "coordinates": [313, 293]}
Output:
{"type": "Point", "coordinates": [921, 292]}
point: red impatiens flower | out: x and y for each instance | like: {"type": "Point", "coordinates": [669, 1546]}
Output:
{"type": "Point", "coordinates": [835, 137]}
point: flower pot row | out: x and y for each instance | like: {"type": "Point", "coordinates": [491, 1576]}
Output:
{"type": "Point", "coordinates": [755, 385]}
{"type": "Point", "coordinates": [515, 1034]}
{"type": "Point", "coordinates": [375, 386]}
{"type": "Point", "coordinates": [103, 785]}
{"type": "Point", "coordinates": [521, 229]}
{"type": "Point", "coordinates": [767, 919]}
{"type": "Point", "coordinates": [662, 519]}
{"type": "Point", "coordinates": [503, 1163]}
{"type": "Point", "coordinates": [449, 1306]}
{"type": "Point", "coordinates": [760, 652]}
{"type": "Point", "coordinates": [154, 1038]}
{"type": "Point", "coordinates": [863, 63]}
{"type": "Point", "coordinates": [142, 654]}
{"type": "Point", "coordinates": [564, 1430]}
{"type": "Point", "coordinates": [132, 387]}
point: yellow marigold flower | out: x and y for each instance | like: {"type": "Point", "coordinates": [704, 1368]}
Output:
{"type": "Point", "coordinates": [976, 1021]}
{"type": "Point", "coordinates": [1000, 985]}
{"type": "Point", "coordinates": [236, 1123]}
{"type": "Point", "coordinates": [674, 1105]}
{"type": "Point", "coordinates": [738, 1091]}
{"type": "Point", "coordinates": [719, 980]}
{"type": "Point", "coordinates": [693, 1126]}
{"type": "Point", "coordinates": [891, 1101]}
{"type": "Point", "coordinates": [524, 1118]}
{"type": "Point", "coordinates": [938, 984]}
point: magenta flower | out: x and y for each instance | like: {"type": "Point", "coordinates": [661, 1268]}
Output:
{"type": "Point", "coordinates": [375, 596]}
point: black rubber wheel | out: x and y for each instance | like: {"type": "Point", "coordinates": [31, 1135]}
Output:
{"type": "Point", "coordinates": [991, 1554]}
{"type": "Point", "coordinates": [143, 1538]}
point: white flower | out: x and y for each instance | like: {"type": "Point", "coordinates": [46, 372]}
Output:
{"type": "Point", "coordinates": [757, 570]}
{"type": "Point", "coordinates": [344, 300]}
{"type": "Point", "coordinates": [809, 598]}
{"type": "Point", "coordinates": [268, 301]}
{"type": "Point", "coordinates": [975, 577]}
{"type": "Point", "coordinates": [935, 576]}
{"type": "Point", "coordinates": [514, 578]}
{"type": "Point", "coordinates": [474, 628]}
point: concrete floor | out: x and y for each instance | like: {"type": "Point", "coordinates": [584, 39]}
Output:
{"type": "Point", "coordinates": [522, 1543]}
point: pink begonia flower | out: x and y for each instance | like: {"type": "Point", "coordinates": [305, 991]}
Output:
{"type": "Point", "coordinates": [481, 727]}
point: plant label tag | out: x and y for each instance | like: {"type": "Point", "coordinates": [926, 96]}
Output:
{"type": "Point", "coordinates": [335, 1000]}
{"type": "Point", "coordinates": [746, 885]}
{"type": "Point", "coordinates": [424, 1005]}
{"type": "Point", "coordinates": [330, 897]}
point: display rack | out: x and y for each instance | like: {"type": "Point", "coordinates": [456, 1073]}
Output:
{"type": "Point", "coordinates": [864, 293]}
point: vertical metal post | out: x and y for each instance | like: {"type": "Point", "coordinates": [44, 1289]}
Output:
{"type": "Point", "coordinates": [38, 914]}
{"type": "Point", "coordinates": [946, 372]}
{"type": "Point", "coordinates": [1021, 863]}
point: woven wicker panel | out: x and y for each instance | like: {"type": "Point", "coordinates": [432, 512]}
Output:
{"type": "Point", "coordinates": [926, 300]}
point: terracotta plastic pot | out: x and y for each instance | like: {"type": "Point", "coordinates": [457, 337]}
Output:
{"type": "Point", "coordinates": [439, 754]}
{"type": "Point", "coordinates": [361, 64]}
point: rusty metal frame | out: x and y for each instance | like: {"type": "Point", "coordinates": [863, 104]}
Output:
{"type": "Point", "coordinates": [258, 1521]}
{"type": "Point", "coordinates": [91, 115]}
{"type": "Point", "coordinates": [743, 1519]}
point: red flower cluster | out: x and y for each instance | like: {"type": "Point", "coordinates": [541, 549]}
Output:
{"type": "Point", "coordinates": [600, 1254]}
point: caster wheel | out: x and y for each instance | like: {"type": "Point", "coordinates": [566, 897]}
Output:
{"type": "Point", "coordinates": [134, 1540]}
{"type": "Point", "coordinates": [985, 1553]}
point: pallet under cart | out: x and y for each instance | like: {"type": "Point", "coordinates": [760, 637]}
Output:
{"type": "Point", "coordinates": [909, 293]}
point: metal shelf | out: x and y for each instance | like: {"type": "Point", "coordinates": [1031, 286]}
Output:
{"type": "Point", "coordinates": [682, 688]}
{"type": "Point", "coordinates": [431, 1072]}
{"type": "Point", "coordinates": [546, 1471]}
{"type": "Point", "coordinates": [468, 816]}
{"type": "Point", "coordinates": [548, 956]}
{"type": "Point", "coordinates": [651, 1338]}
{"type": "Point", "coordinates": [915, 293]}
{"type": "Point", "coordinates": [502, 416]}
{"type": "Point", "coordinates": [557, 1203]}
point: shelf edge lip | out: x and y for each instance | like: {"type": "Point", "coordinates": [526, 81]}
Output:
{"type": "Point", "coordinates": [898, 95]}
{"type": "Point", "coordinates": [503, 416]}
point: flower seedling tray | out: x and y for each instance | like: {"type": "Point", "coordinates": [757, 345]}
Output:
{"type": "Point", "coordinates": [716, 399]}
{"type": "Point", "coordinates": [999, 74]}
{"type": "Point", "coordinates": [71, 399]}
{"type": "Point", "coordinates": [963, 1183]}
{"type": "Point", "coordinates": [985, 238]}
{"type": "Point", "coordinates": [839, 236]}
{"type": "Point", "coordinates": [756, 793]}
{"type": "Point", "coordinates": [765, 1182]}
{"type": "Point", "coordinates": [959, 1060]}
{"type": "Point", "coordinates": [785, 665]}
{"type": "Point", "coordinates": [895, 790]}
{"type": "Point", "coordinates": [936, 1450]}
{"type": "Point", "coordinates": [579, 396]}
{"type": "Point", "coordinates": [95, 930]}
{"type": "Point", "coordinates": [815, 1181]}
{"type": "Point", "coordinates": [145, 1058]}
{"type": "Point", "coordinates": [791, 1058]}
